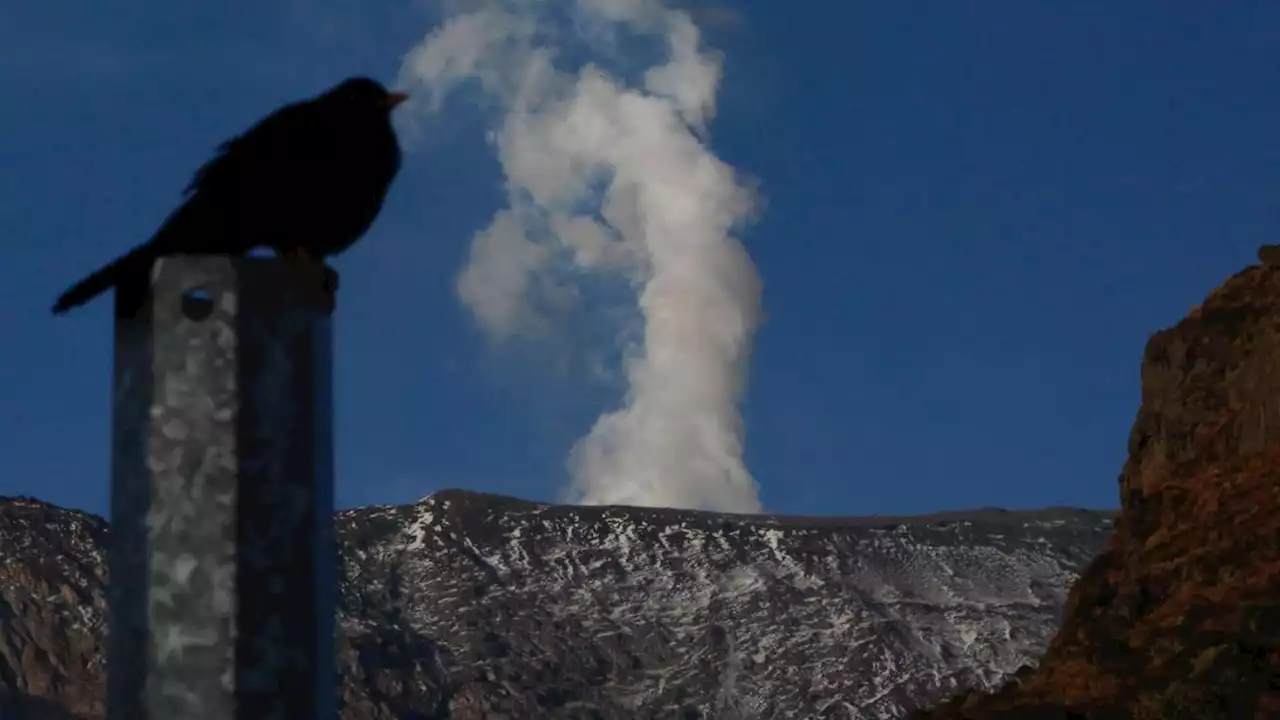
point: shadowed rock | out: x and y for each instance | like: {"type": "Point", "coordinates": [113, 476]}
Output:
{"type": "Point", "coordinates": [1269, 255]}
{"type": "Point", "coordinates": [1179, 617]}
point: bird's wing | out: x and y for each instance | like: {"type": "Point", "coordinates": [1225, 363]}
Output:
{"type": "Point", "coordinates": [278, 140]}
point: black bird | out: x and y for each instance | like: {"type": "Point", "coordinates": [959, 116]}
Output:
{"type": "Point", "coordinates": [307, 181]}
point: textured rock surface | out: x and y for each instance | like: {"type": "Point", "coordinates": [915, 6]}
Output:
{"type": "Point", "coordinates": [52, 612]}
{"type": "Point", "coordinates": [473, 606]}
{"type": "Point", "coordinates": [552, 611]}
{"type": "Point", "coordinates": [1180, 616]}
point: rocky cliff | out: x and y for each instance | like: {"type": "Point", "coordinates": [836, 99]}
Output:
{"type": "Point", "coordinates": [52, 611]}
{"type": "Point", "coordinates": [540, 611]}
{"type": "Point", "coordinates": [470, 606]}
{"type": "Point", "coordinates": [1179, 617]}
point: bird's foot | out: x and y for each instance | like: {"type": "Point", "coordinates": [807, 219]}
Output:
{"type": "Point", "coordinates": [329, 284]}
{"type": "Point", "coordinates": [330, 280]}
{"type": "Point", "coordinates": [326, 277]}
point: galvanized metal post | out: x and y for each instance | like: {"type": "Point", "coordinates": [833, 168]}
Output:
{"type": "Point", "coordinates": [222, 558]}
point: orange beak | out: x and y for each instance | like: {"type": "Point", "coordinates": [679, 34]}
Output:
{"type": "Point", "coordinates": [395, 98]}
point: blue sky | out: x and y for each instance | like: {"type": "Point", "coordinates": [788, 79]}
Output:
{"type": "Point", "coordinates": [975, 215]}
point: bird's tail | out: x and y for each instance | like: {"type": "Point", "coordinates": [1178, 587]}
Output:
{"type": "Point", "coordinates": [133, 264]}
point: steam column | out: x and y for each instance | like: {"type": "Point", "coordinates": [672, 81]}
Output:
{"type": "Point", "coordinates": [222, 558]}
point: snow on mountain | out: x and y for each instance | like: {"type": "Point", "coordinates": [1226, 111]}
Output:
{"type": "Point", "coordinates": [470, 606]}
{"type": "Point", "coordinates": [560, 611]}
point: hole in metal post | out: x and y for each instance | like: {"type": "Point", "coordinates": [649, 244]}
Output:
{"type": "Point", "coordinates": [197, 304]}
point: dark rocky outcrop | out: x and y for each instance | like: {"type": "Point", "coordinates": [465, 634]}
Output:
{"type": "Point", "coordinates": [1179, 617]}
{"type": "Point", "coordinates": [52, 612]}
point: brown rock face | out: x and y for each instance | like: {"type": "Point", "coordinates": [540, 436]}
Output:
{"type": "Point", "coordinates": [1179, 617]}
{"type": "Point", "coordinates": [51, 613]}
{"type": "Point", "coordinates": [1269, 254]}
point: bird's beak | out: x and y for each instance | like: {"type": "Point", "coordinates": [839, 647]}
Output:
{"type": "Point", "coordinates": [395, 98]}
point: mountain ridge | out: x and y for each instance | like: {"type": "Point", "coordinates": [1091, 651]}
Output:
{"type": "Point", "coordinates": [967, 514]}
{"type": "Point", "coordinates": [474, 605]}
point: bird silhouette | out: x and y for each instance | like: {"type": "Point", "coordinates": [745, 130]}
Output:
{"type": "Point", "coordinates": [307, 181]}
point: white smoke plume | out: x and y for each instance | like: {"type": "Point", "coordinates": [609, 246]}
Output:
{"type": "Point", "coordinates": [606, 178]}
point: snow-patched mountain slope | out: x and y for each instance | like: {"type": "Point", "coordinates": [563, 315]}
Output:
{"type": "Point", "coordinates": [484, 606]}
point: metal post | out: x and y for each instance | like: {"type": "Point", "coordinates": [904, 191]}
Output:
{"type": "Point", "coordinates": [222, 559]}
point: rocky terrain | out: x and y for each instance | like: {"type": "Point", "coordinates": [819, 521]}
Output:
{"type": "Point", "coordinates": [473, 606]}
{"type": "Point", "coordinates": [52, 611]}
{"type": "Point", "coordinates": [1179, 617]}
{"type": "Point", "coordinates": [550, 611]}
